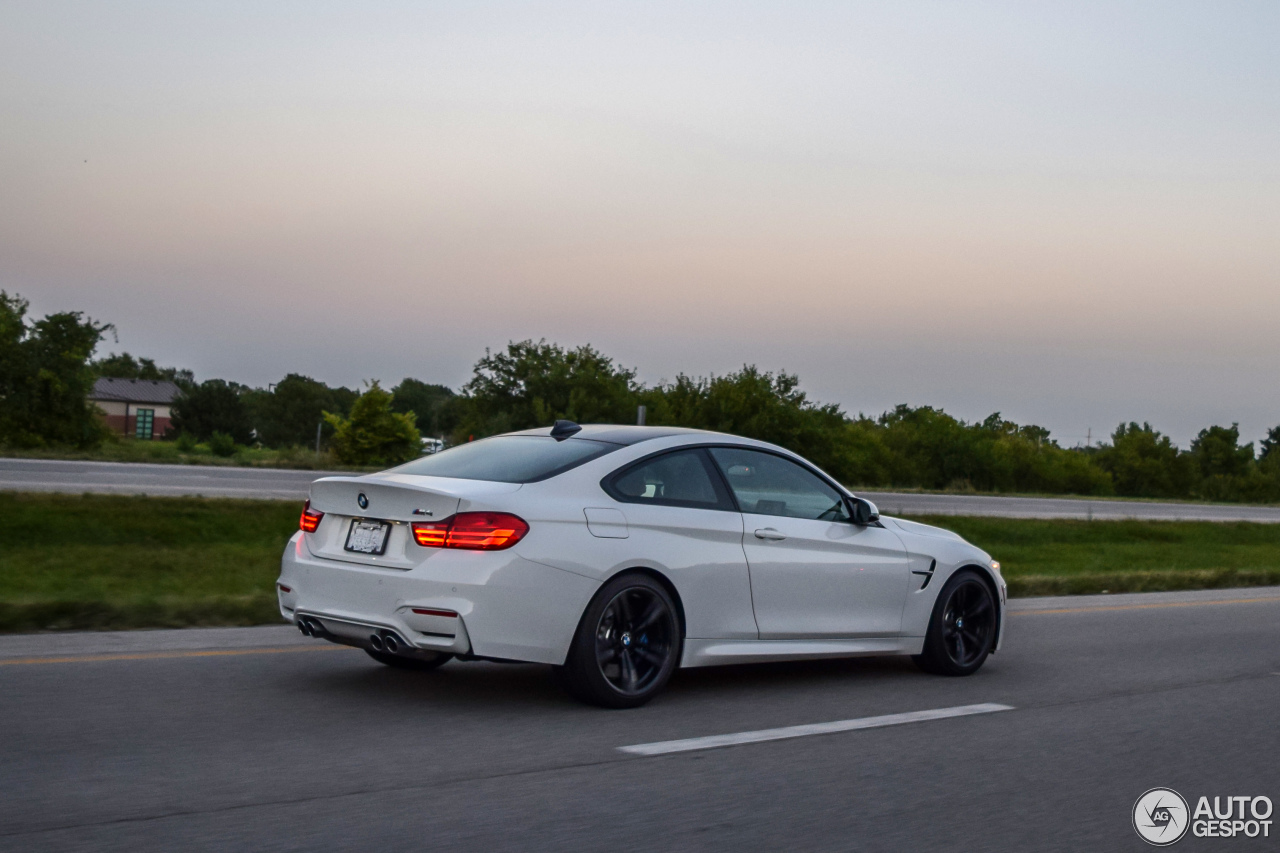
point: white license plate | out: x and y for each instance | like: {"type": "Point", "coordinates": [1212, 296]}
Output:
{"type": "Point", "coordinates": [368, 537]}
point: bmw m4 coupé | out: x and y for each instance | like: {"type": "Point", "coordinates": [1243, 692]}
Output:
{"type": "Point", "coordinates": [620, 553]}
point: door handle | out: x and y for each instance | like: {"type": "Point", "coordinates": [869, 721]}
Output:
{"type": "Point", "coordinates": [770, 534]}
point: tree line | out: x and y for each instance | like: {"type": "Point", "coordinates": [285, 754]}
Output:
{"type": "Point", "coordinates": [47, 370]}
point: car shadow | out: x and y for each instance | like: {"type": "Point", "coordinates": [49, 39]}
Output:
{"type": "Point", "coordinates": [790, 675]}
{"type": "Point", "coordinates": [467, 684]}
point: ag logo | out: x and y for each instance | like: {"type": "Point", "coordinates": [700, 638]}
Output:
{"type": "Point", "coordinates": [362, 500]}
{"type": "Point", "coordinates": [1160, 816]}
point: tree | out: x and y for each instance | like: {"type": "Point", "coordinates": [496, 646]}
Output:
{"type": "Point", "coordinates": [45, 377]}
{"type": "Point", "coordinates": [1144, 463]}
{"type": "Point", "coordinates": [426, 402]}
{"type": "Point", "coordinates": [214, 405]}
{"type": "Point", "coordinates": [534, 384]}
{"type": "Point", "coordinates": [756, 404]}
{"type": "Point", "coordinates": [1225, 467]}
{"type": "Point", "coordinates": [1218, 453]}
{"type": "Point", "coordinates": [374, 434]}
{"type": "Point", "coordinates": [125, 366]}
{"type": "Point", "coordinates": [1270, 446]}
{"type": "Point", "coordinates": [288, 415]}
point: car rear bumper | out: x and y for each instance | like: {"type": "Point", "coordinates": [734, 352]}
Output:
{"type": "Point", "coordinates": [507, 607]}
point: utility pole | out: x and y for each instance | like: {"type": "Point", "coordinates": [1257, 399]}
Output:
{"type": "Point", "coordinates": [640, 412]}
{"type": "Point", "coordinates": [1088, 437]}
{"type": "Point", "coordinates": [319, 426]}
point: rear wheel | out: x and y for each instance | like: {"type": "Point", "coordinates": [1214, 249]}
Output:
{"type": "Point", "coordinates": [627, 645]}
{"type": "Point", "coordinates": [403, 662]}
{"type": "Point", "coordinates": [962, 629]}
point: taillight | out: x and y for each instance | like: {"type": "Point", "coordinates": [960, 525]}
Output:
{"type": "Point", "coordinates": [310, 518]}
{"type": "Point", "coordinates": [432, 534]}
{"type": "Point", "coordinates": [473, 531]}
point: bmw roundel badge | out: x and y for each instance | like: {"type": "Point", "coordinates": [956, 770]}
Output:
{"type": "Point", "coordinates": [362, 500]}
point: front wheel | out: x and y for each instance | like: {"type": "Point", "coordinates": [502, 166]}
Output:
{"type": "Point", "coordinates": [962, 630]}
{"type": "Point", "coordinates": [627, 644]}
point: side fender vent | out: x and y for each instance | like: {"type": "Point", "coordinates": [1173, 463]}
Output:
{"type": "Point", "coordinates": [927, 575]}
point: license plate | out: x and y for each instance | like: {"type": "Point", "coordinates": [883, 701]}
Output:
{"type": "Point", "coordinates": [368, 537]}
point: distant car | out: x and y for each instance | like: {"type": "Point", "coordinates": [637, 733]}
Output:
{"type": "Point", "coordinates": [618, 554]}
{"type": "Point", "coordinates": [431, 445]}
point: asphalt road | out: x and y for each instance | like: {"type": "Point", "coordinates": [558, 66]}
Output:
{"type": "Point", "coordinates": [134, 479]}
{"type": "Point", "coordinates": [259, 739]}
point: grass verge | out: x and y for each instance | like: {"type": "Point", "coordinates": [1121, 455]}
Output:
{"type": "Point", "coordinates": [110, 561]}
{"type": "Point", "coordinates": [1067, 557]}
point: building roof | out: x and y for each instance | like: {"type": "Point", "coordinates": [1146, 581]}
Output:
{"type": "Point", "coordinates": [134, 391]}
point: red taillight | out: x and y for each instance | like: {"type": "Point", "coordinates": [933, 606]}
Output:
{"type": "Point", "coordinates": [473, 531]}
{"type": "Point", "coordinates": [431, 534]}
{"type": "Point", "coordinates": [310, 518]}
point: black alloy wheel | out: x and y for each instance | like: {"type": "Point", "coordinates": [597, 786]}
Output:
{"type": "Point", "coordinates": [963, 628]}
{"type": "Point", "coordinates": [627, 645]}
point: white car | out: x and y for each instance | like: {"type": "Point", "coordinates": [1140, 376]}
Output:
{"type": "Point", "coordinates": [619, 553]}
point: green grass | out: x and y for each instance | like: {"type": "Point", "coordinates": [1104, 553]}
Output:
{"type": "Point", "coordinates": [1065, 557]}
{"type": "Point", "coordinates": [108, 561]}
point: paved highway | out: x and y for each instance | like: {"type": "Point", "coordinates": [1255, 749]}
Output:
{"type": "Point", "coordinates": [134, 479]}
{"type": "Point", "coordinates": [259, 739]}
{"type": "Point", "coordinates": [41, 475]}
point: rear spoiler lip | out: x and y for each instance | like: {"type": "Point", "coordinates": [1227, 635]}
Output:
{"type": "Point", "coordinates": [402, 497]}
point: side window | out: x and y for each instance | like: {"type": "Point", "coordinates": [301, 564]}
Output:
{"type": "Point", "coordinates": [681, 478]}
{"type": "Point", "coordinates": [770, 485]}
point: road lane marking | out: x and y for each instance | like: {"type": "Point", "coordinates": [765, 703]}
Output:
{"type": "Point", "coordinates": [1145, 606]}
{"type": "Point", "coordinates": [716, 741]}
{"type": "Point", "coordinates": [163, 655]}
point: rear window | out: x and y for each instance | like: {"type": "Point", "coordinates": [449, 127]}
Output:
{"type": "Point", "coordinates": [508, 458]}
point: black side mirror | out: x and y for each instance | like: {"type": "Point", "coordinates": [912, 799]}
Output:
{"type": "Point", "coordinates": [863, 511]}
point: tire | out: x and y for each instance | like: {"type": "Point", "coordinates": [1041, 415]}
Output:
{"type": "Point", "coordinates": [627, 645]}
{"type": "Point", "coordinates": [403, 662]}
{"type": "Point", "coordinates": [962, 629]}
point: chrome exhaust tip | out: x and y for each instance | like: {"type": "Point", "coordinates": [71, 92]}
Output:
{"type": "Point", "coordinates": [376, 642]}
{"type": "Point", "coordinates": [304, 627]}
{"type": "Point", "coordinates": [390, 643]}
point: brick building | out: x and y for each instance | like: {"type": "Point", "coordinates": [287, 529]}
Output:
{"type": "Point", "coordinates": [135, 407]}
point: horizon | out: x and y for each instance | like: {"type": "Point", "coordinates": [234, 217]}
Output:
{"type": "Point", "coordinates": [1066, 215]}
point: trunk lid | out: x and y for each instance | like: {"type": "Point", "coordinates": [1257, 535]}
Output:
{"type": "Point", "coordinates": [399, 499]}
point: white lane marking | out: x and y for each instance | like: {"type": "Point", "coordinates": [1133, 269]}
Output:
{"type": "Point", "coordinates": [715, 741]}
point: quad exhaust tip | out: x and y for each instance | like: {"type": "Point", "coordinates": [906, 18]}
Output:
{"type": "Point", "coordinates": [376, 642]}
{"type": "Point", "coordinates": [390, 643]}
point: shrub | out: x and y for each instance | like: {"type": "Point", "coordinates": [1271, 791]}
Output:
{"type": "Point", "coordinates": [222, 444]}
{"type": "Point", "coordinates": [374, 435]}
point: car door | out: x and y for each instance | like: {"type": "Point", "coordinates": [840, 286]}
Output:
{"type": "Point", "coordinates": [679, 518]}
{"type": "Point", "coordinates": [814, 573]}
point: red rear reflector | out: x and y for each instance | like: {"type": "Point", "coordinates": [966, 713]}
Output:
{"type": "Point", "coordinates": [422, 611]}
{"type": "Point", "coordinates": [310, 518]}
{"type": "Point", "coordinates": [284, 588]}
{"type": "Point", "coordinates": [473, 531]}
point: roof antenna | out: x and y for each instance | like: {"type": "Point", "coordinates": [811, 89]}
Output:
{"type": "Point", "coordinates": [564, 429]}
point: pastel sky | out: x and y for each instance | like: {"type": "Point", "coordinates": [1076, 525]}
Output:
{"type": "Point", "coordinates": [1068, 212]}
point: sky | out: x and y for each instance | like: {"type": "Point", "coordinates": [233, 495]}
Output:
{"type": "Point", "coordinates": [1065, 212]}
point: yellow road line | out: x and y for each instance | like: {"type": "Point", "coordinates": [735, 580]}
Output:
{"type": "Point", "coordinates": [163, 655]}
{"type": "Point", "coordinates": [1145, 606]}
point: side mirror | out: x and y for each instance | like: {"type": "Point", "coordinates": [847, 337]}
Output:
{"type": "Point", "coordinates": [864, 511]}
